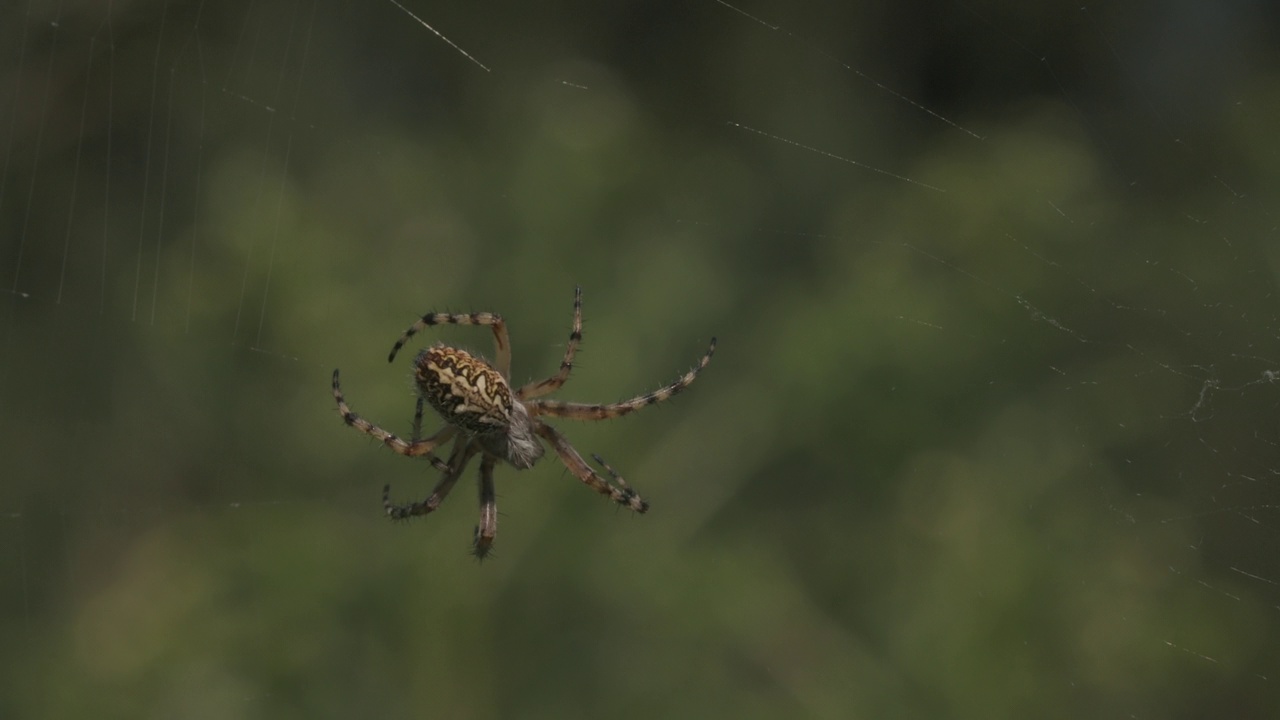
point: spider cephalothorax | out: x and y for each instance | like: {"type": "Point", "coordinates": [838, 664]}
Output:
{"type": "Point", "coordinates": [483, 413]}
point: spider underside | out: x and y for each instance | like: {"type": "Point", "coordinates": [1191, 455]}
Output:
{"type": "Point", "coordinates": [484, 416]}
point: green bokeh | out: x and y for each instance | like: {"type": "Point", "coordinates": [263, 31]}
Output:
{"type": "Point", "coordinates": [953, 457]}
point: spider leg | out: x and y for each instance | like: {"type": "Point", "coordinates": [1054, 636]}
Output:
{"type": "Point", "coordinates": [463, 450]}
{"type": "Point", "coordinates": [501, 339]}
{"type": "Point", "coordinates": [417, 448]}
{"type": "Point", "coordinates": [417, 419]}
{"type": "Point", "coordinates": [617, 480]}
{"type": "Point", "coordinates": [590, 411]}
{"type": "Point", "coordinates": [553, 383]}
{"type": "Point", "coordinates": [620, 492]}
{"type": "Point", "coordinates": [488, 527]}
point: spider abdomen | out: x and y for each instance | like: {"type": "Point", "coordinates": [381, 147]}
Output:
{"type": "Point", "coordinates": [471, 395]}
{"type": "Point", "coordinates": [464, 389]}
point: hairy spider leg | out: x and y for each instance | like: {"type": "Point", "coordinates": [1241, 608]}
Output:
{"type": "Point", "coordinates": [617, 479]}
{"type": "Point", "coordinates": [463, 451]}
{"type": "Point", "coordinates": [591, 411]}
{"type": "Point", "coordinates": [417, 448]}
{"type": "Point", "coordinates": [553, 383]}
{"type": "Point", "coordinates": [621, 493]}
{"type": "Point", "coordinates": [417, 418]}
{"type": "Point", "coordinates": [501, 340]}
{"type": "Point", "coordinates": [488, 527]}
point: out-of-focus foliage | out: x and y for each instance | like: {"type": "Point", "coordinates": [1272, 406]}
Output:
{"type": "Point", "coordinates": [952, 458]}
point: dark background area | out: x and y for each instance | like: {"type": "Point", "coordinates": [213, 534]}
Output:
{"type": "Point", "coordinates": [990, 431]}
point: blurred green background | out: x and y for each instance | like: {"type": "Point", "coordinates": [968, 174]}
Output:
{"type": "Point", "coordinates": [990, 431]}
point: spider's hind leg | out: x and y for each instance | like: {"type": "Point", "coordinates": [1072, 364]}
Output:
{"type": "Point", "coordinates": [462, 452]}
{"type": "Point", "coordinates": [417, 448]}
{"type": "Point", "coordinates": [417, 436]}
{"type": "Point", "coordinates": [501, 339]}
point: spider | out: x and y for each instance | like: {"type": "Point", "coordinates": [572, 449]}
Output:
{"type": "Point", "coordinates": [484, 416]}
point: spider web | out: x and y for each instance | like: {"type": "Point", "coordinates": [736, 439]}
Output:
{"type": "Point", "coordinates": [990, 432]}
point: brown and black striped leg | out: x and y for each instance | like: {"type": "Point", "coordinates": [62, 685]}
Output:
{"type": "Point", "coordinates": [417, 448]}
{"type": "Point", "coordinates": [589, 411]}
{"type": "Point", "coordinates": [488, 527]}
{"type": "Point", "coordinates": [621, 484]}
{"type": "Point", "coordinates": [417, 418]}
{"type": "Point", "coordinates": [620, 492]}
{"type": "Point", "coordinates": [501, 339]}
{"type": "Point", "coordinates": [462, 453]}
{"type": "Point", "coordinates": [553, 383]}
{"type": "Point", "coordinates": [417, 435]}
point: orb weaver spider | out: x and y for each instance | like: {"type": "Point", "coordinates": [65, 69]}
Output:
{"type": "Point", "coordinates": [484, 416]}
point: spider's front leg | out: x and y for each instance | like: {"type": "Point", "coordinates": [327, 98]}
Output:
{"type": "Point", "coordinates": [488, 527]}
{"type": "Point", "coordinates": [593, 411]}
{"type": "Point", "coordinates": [543, 387]}
{"type": "Point", "coordinates": [619, 492]}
